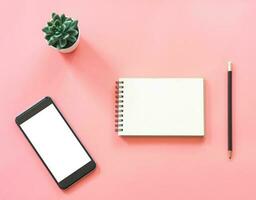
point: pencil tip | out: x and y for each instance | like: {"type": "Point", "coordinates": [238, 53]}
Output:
{"type": "Point", "coordinates": [230, 154]}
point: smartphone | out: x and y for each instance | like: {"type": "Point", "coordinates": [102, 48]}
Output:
{"type": "Point", "coordinates": [55, 143]}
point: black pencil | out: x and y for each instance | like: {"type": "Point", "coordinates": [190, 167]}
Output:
{"type": "Point", "coordinates": [230, 148]}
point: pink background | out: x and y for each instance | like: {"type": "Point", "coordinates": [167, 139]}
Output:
{"type": "Point", "coordinates": [131, 38]}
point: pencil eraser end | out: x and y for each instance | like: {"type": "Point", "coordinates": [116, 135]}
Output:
{"type": "Point", "coordinates": [229, 66]}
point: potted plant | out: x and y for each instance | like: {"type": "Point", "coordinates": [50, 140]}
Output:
{"type": "Point", "coordinates": [62, 33]}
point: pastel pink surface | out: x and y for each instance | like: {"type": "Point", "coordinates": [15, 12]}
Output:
{"type": "Point", "coordinates": [131, 38]}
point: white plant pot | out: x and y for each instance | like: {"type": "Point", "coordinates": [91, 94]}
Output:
{"type": "Point", "coordinates": [71, 48]}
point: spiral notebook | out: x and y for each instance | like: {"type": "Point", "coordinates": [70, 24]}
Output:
{"type": "Point", "coordinates": [160, 107]}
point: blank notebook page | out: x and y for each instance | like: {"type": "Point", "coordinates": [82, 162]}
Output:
{"type": "Point", "coordinates": [162, 106]}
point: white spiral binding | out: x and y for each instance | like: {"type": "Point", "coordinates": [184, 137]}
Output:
{"type": "Point", "coordinates": [119, 106]}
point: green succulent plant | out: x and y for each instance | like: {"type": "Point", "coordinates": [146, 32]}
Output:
{"type": "Point", "coordinates": [61, 32]}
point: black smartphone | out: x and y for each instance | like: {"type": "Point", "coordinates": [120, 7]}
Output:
{"type": "Point", "coordinates": [55, 142]}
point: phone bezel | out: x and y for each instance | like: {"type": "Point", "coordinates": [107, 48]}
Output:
{"type": "Point", "coordinates": [75, 176]}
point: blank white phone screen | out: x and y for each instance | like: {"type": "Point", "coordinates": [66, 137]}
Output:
{"type": "Point", "coordinates": [55, 142]}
